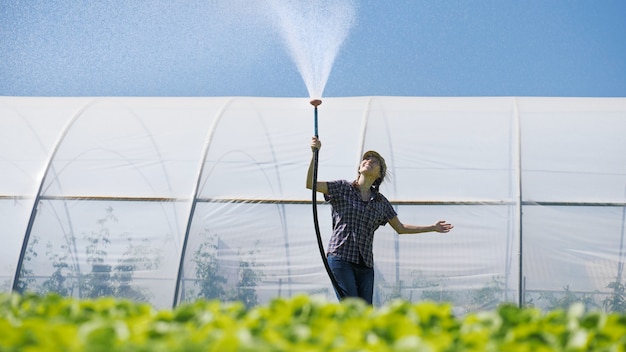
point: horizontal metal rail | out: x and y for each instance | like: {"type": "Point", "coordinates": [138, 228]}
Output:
{"type": "Point", "coordinates": [308, 201]}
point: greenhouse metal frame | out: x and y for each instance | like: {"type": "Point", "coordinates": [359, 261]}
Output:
{"type": "Point", "coordinates": [167, 200]}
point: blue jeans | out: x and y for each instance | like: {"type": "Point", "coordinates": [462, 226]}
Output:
{"type": "Point", "coordinates": [354, 280]}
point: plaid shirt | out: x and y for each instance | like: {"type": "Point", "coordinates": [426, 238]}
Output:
{"type": "Point", "coordinates": [354, 221]}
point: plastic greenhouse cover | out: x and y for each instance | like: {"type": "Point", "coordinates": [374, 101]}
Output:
{"type": "Point", "coordinates": [107, 191]}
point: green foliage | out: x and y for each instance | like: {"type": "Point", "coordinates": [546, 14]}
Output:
{"type": "Point", "coordinates": [97, 282]}
{"type": "Point", "coordinates": [435, 290]}
{"type": "Point", "coordinates": [430, 289]}
{"type": "Point", "coordinates": [248, 278]}
{"type": "Point", "coordinates": [488, 296]}
{"type": "Point", "coordinates": [616, 301]}
{"type": "Point", "coordinates": [53, 323]}
{"type": "Point", "coordinates": [26, 275]}
{"type": "Point", "coordinates": [103, 277]}
{"type": "Point", "coordinates": [211, 284]}
{"type": "Point", "coordinates": [567, 298]}
{"type": "Point", "coordinates": [57, 281]}
{"type": "Point", "coordinates": [136, 257]}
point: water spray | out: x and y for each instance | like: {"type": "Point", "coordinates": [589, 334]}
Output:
{"type": "Point", "coordinates": [328, 22]}
{"type": "Point", "coordinates": [340, 293]}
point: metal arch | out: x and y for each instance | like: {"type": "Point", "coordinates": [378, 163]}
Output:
{"type": "Point", "coordinates": [620, 264]}
{"type": "Point", "coordinates": [160, 157]}
{"type": "Point", "coordinates": [519, 203]}
{"type": "Point", "coordinates": [364, 124]}
{"type": "Point", "coordinates": [33, 213]}
{"type": "Point", "coordinates": [194, 200]}
{"type": "Point", "coordinates": [281, 207]}
{"type": "Point", "coordinates": [71, 243]}
{"type": "Point", "coordinates": [365, 120]}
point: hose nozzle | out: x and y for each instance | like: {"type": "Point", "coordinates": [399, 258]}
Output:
{"type": "Point", "coordinates": [316, 102]}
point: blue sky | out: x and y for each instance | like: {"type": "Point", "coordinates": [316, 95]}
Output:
{"type": "Point", "coordinates": [393, 48]}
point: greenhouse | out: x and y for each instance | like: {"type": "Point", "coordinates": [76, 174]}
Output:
{"type": "Point", "coordinates": [168, 200]}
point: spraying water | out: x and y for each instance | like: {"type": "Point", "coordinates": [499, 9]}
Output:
{"type": "Point", "coordinates": [313, 32]}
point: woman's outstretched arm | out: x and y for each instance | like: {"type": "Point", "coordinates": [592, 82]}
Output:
{"type": "Point", "coordinates": [440, 226]}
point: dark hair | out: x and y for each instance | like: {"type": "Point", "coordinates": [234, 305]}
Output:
{"type": "Point", "coordinates": [375, 186]}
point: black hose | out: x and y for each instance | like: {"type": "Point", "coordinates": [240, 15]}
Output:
{"type": "Point", "coordinates": [338, 289]}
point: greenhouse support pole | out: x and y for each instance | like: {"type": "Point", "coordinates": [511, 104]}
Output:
{"type": "Point", "coordinates": [36, 203]}
{"type": "Point", "coordinates": [520, 202]}
{"type": "Point", "coordinates": [178, 294]}
{"type": "Point", "coordinates": [620, 264]}
{"type": "Point", "coordinates": [340, 293]}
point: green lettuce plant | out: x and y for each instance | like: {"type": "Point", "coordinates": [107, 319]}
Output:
{"type": "Point", "coordinates": [300, 323]}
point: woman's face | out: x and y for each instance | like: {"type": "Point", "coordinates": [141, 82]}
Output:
{"type": "Point", "coordinates": [370, 166]}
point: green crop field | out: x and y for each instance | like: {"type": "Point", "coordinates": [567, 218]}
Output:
{"type": "Point", "coordinates": [53, 323]}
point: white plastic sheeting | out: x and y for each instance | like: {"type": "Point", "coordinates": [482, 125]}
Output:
{"type": "Point", "coordinates": [111, 193]}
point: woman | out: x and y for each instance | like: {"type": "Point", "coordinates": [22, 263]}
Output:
{"type": "Point", "coordinates": [358, 209]}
